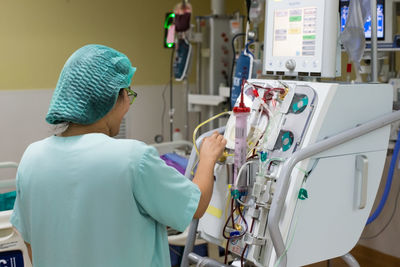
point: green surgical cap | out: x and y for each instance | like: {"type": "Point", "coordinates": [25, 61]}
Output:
{"type": "Point", "coordinates": [89, 84]}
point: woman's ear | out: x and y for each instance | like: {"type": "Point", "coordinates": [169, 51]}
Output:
{"type": "Point", "coordinates": [123, 96]}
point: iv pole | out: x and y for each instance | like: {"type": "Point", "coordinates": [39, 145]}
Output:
{"type": "Point", "coordinates": [374, 43]}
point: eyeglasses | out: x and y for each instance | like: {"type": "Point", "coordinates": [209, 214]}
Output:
{"type": "Point", "coordinates": [132, 95]}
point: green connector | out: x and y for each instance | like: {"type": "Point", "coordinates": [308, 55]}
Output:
{"type": "Point", "coordinates": [303, 194]}
{"type": "Point", "coordinates": [235, 194]}
{"type": "Point", "coordinates": [263, 156]}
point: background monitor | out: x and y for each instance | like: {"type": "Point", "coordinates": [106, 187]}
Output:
{"type": "Point", "coordinates": [344, 10]}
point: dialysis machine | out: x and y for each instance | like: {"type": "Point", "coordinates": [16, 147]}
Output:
{"type": "Point", "coordinates": [304, 159]}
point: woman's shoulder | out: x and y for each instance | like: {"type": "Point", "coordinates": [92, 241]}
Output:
{"type": "Point", "coordinates": [133, 143]}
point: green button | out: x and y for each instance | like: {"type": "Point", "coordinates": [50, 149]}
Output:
{"type": "Point", "coordinates": [295, 18]}
{"type": "Point", "coordinates": [309, 37]}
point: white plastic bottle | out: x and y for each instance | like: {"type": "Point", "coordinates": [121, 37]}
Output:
{"type": "Point", "coordinates": [177, 135]}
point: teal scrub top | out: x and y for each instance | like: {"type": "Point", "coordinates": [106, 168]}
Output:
{"type": "Point", "coordinates": [92, 200]}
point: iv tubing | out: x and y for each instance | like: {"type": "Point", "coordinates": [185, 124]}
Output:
{"type": "Point", "coordinates": [203, 123]}
{"type": "Point", "coordinates": [388, 182]}
{"type": "Point", "coordinates": [240, 172]}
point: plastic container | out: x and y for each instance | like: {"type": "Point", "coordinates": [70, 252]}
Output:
{"type": "Point", "coordinates": [241, 114]}
{"type": "Point", "coordinates": [177, 135]}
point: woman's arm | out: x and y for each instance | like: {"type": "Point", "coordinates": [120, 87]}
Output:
{"type": "Point", "coordinates": [28, 246]}
{"type": "Point", "coordinates": [211, 149]}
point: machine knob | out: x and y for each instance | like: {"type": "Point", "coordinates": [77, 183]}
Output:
{"type": "Point", "coordinates": [290, 64]}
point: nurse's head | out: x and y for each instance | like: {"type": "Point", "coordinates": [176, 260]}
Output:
{"type": "Point", "coordinates": [93, 90]}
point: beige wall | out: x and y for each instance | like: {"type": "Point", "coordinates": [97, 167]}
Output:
{"type": "Point", "coordinates": [38, 36]}
{"type": "Point", "coordinates": [25, 120]}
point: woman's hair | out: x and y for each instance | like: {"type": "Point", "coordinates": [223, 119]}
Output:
{"type": "Point", "coordinates": [59, 128]}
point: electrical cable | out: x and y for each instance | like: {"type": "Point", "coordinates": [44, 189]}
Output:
{"type": "Point", "coordinates": [233, 66]}
{"type": "Point", "coordinates": [203, 123]}
{"type": "Point", "coordinates": [291, 237]}
{"type": "Point", "coordinates": [389, 221]}
{"type": "Point", "coordinates": [289, 244]}
{"type": "Point", "coordinates": [388, 184]}
{"type": "Point", "coordinates": [306, 175]}
{"type": "Point", "coordinates": [175, 251]}
{"type": "Point", "coordinates": [194, 136]}
{"type": "Point", "coordinates": [248, 5]}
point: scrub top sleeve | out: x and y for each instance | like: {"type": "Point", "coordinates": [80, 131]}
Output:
{"type": "Point", "coordinates": [18, 219]}
{"type": "Point", "coordinates": [165, 194]}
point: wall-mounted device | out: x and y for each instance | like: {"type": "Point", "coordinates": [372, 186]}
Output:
{"type": "Point", "coordinates": [169, 30]}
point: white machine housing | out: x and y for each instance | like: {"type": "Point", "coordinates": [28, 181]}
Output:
{"type": "Point", "coordinates": [301, 38]}
{"type": "Point", "coordinates": [341, 189]}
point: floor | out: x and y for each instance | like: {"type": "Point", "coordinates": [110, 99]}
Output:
{"type": "Point", "coordinates": [366, 257]}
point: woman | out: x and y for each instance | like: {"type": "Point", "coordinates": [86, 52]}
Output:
{"type": "Point", "coordinates": [86, 199]}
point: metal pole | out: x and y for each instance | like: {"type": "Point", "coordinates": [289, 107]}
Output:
{"type": "Point", "coordinates": [186, 126]}
{"type": "Point", "coordinates": [171, 96]}
{"type": "Point", "coordinates": [199, 62]}
{"type": "Point", "coordinates": [190, 240]}
{"type": "Point", "coordinates": [198, 52]}
{"type": "Point", "coordinates": [374, 43]}
{"type": "Point", "coordinates": [350, 260]}
{"type": "Point", "coordinates": [171, 112]}
{"type": "Point", "coordinates": [204, 261]}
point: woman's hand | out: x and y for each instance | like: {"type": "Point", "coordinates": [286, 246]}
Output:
{"type": "Point", "coordinates": [212, 147]}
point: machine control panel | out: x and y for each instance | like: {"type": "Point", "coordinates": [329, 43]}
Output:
{"type": "Point", "coordinates": [301, 38]}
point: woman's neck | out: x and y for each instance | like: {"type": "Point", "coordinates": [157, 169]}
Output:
{"type": "Point", "coordinates": [79, 129]}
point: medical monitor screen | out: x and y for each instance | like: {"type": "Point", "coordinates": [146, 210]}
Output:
{"type": "Point", "coordinates": [295, 32]}
{"type": "Point", "coordinates": [344, 11]}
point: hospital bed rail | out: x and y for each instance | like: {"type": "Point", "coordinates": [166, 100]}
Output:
{"type": "Point", "coordinates": [10, 240]}
{"type": "Point", "coordinates": [7, 183]}
{"type": "Point", "coordinates": [169, 147]}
